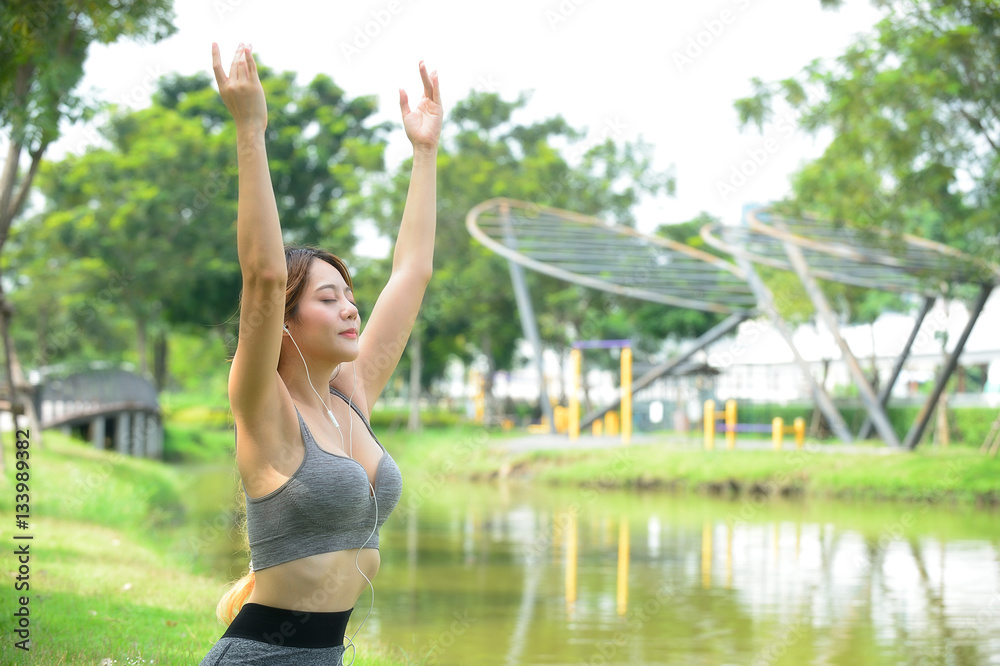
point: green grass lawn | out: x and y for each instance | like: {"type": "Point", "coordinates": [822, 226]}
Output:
{"type": "Point", "coordinates": [957, 474]}
{"type": "Point", "coordinates": [104, 585]}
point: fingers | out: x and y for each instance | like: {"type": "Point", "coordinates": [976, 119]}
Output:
{"type": "Point", "coordinates": [239, 63]}
{"type": "Point", "coordinates": [403, 103]}
{"type": "Point", "coordinates": [437, 87]}
{"type": "Point", "coordinates": [425, 77]}
{"type": "Point", "coordinates": [251, 63]}
{"type": "Point", "coordinates": [220, 74]}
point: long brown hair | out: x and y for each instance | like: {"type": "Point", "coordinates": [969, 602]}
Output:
{"type": "Point", "coordinates": [298, 260]}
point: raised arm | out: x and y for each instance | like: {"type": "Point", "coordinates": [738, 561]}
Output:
{"type": "Point", "coordinates": [384, 338]}
{"type": "Point", "coordinates": [253, 379]}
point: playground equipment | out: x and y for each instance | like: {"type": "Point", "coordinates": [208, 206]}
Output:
{"type": "Point", "coordinates": [730, 426]}
{"type": "Point", "coordinates": [610, 418]}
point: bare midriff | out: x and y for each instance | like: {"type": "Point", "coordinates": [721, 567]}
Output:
{"type": "Point", "coordinates": [325, 582]}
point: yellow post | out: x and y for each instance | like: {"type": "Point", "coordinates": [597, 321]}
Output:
{"type": "Point", "coordinates": [597, 427]}
{"type": "Point", "coordinates": [730, 424]}
{"type": "Point", "coordinates": [800, 432]}
{"type": "Point", "coordinates": [571, 557]}
{"type": "Point", "coordinates": [729, 555]}
{"type": "Point", "coordinates": [709, 425]}
{"type": "Point", "coordinates": [623, 555]}
{"type": "Point", "coordinates": [611, 423]}
{"type": "Point", "coordinates": [575, 360]}
{"type": "Point", "coordinates": [777, 432]}
{"type": "Point", "coordinates": [561, 416]}
{"type": "Point", "coordinates": [626, 395]}
{"type": "Point", "coordinates": [479, 400]}
{"type": "Point", "coordinates": [706, 555]}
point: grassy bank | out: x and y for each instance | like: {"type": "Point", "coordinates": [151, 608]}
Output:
{"type": "Point", "coordinates": [469, 452]}
{"type": "Point", "coordinates": [105, 583]}
{"type": "Point", "coordinates": [957, 474]}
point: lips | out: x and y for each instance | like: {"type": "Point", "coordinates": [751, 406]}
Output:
{"type": "Point", "coordinates": [350, 333]}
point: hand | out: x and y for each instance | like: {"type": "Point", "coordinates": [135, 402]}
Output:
{"type": "Point", "coordinates": [423, 124]}
{"type": "Point", "coordinates": [241, 90]}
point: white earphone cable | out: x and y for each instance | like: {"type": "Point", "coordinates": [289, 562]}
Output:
{"type": "Point", "coordinates": [350, 454]}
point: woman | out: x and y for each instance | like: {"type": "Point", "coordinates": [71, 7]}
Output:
{"type": "Point", "coordinates": [318, 483]}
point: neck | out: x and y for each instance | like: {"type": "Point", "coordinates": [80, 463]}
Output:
{"type": "Point", "coordinates": [304, 387]}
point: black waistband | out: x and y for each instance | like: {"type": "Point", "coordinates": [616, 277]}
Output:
{"type": "Point", "coordinates": [293, 628]}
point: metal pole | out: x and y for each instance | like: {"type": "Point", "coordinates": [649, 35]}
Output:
{"type": "Point", "coordinates": [883, 394]}
{"type": "Point", "coordinates": [664, 368]}
{"type": "Point", "coordinates": [823, 400]}
{"type": "Point", "coordinates": [529, 326]}
{"type": "Point", "coordinates": [575, 361]}
{"type": "Point", "coordinates": [816, 295]}
{"type": "Point", "coordinates": [626, 391]}
{"type": "Point", "coordinates": [917, 429]}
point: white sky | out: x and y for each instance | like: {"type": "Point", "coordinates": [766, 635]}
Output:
{"type": "Point", "coordinates": [600, 64]}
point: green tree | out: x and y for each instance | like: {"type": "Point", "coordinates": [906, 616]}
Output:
{"type": "Point", "coordinates": [157, 207]}
{"type": "Point", "coordinates": [43, 45]}
{"type": "Point", "coordinates": [469, 309]}
{"type": "Point", "coordinates": [916, 132]}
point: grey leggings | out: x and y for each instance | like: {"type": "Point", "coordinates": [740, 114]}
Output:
{"type": "Point", "coordinates": [232, 651]}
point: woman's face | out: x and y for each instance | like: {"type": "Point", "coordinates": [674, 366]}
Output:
{"type": "Point", "coordinates": [327, 322]}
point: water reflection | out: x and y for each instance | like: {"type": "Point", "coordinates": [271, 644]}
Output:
{"type": "Point", "coordinates": [543, 577]}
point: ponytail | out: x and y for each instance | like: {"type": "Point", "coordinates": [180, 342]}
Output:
{"type": "Point", "coordinates": [234, 598]}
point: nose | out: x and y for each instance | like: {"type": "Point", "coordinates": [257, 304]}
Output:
{"type": "Point", "coordinates": [350, 310]}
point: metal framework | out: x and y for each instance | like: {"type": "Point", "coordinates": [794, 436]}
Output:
{"type": "Point", "coordinates": [813, 248]}
{"type": "Point", "coordinates": [591, 252]}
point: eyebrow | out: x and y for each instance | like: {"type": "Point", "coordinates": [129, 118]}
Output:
{"type": "Point", "coordinates": [334, 287]}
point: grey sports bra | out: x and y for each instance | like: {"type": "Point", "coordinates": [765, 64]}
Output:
{"type": "Point", "coordinates": [326, 505]}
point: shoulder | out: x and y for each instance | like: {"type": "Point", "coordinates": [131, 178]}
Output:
{"type": "Point", "coordinates": [352, 389]}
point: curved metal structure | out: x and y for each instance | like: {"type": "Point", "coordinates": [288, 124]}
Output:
{"type": "Point", "coordinates": [903, 263]}
{"type": "Point", "coordinates": [813, 248]}
{"type": "Point", "coordinates": [590, 252]}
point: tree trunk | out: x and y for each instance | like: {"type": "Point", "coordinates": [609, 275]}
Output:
{"type": "Point", "coordinates": [10, 205]}
{"type": "Point", "coordinates": [160, 351]}
{"type": "Point", "coordinates": [416, 367]}
{"type": "Point", "coordinates": [941, 434]}
{"type": "Point", "coordinates": [140, 343]}
{"type": "Point", "coordinates": [21, 399]}
{"type": "Point", "coordinates": [491, 368]}
{"type": "Point", "coordinates": [816, 423]}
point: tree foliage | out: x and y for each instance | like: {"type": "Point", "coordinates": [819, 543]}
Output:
{"type": "Point", "coordinates": [152, 216]}
{"type": "Point", "coordinates": [916, 133]}
{"type": "Point", "coordinates": [469, 309]}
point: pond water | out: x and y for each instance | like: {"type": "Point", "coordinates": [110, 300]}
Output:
{"type": "Point", "coordinates": [528, 575]}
